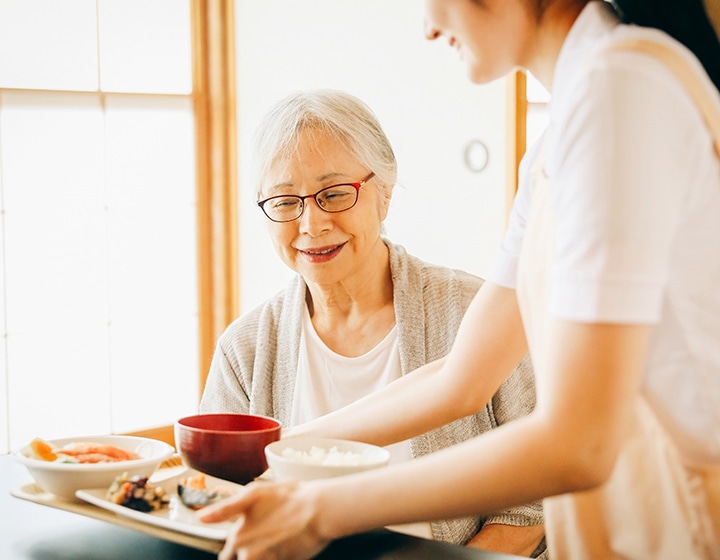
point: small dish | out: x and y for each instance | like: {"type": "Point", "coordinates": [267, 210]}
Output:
{"type": "Point", "coordinates": [176, 517]}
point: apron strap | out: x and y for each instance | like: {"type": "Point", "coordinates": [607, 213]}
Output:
{"type": "Point", "coordinates": [687, 76]}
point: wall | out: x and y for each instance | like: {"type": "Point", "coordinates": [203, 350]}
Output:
{"type": "Point", "coordinates": [375, 49]}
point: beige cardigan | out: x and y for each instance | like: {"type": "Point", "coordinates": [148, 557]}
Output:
{"type": "Point", "coordinates": [256, 360]}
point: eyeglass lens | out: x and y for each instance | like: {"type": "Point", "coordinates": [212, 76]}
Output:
{"type": "Point", "coordinates": [336, 198]}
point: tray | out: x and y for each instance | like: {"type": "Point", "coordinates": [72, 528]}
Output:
{"type": "Point", "coordinates": [182, 530]}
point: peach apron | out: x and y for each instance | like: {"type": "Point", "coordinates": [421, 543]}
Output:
{"type": "Point", "coordinates": [654, 506]}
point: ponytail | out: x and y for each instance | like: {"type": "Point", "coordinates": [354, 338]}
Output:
{"type": "Point", "coordinates": [685, 20]}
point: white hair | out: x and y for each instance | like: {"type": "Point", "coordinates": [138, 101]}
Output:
{"type": "Point", "coordinates": [342, 116]}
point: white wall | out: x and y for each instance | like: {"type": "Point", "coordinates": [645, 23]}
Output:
{"type": "Point", "coordinates": [375, 49]}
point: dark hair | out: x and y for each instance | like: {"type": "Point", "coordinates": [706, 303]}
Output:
{"type": "Point", "coordinates": [685, 20]}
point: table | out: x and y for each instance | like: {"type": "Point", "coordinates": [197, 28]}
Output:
{"type": "Point", "coordinates": [31, 531]}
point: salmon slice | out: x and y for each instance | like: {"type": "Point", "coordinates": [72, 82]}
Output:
{"type": "Point", "coordinates": [95, 453]}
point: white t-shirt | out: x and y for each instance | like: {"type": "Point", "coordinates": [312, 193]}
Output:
{"type": "Point", "coordinates": [327, 381]}
{"type": "Point", "coordinates": [636, 186]}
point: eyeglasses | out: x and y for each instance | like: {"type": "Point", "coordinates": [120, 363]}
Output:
{"type": "Point", "coordinates": [335, 198]}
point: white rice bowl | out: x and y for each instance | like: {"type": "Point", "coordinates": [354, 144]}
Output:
{"type": "Point", "coordinates": [64, 479]}
{"type": "Point", "coordinates": [309, 458]}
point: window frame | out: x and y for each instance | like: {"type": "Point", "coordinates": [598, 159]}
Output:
{"type": "Point", "coordinates": [213, 74]}
{"type": "Point", "coordinates": [516, 127]}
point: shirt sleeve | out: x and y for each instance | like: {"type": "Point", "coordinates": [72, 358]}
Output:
{"type": "Point", "coordinates": [504, 269]}
{"type": "Point", "coordinates": [618, 172]}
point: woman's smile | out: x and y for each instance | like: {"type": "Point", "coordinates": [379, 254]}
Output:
{"type": "Point", "coordinates": [321, 254]}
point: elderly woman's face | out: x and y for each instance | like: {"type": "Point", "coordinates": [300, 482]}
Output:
{"type": "Point", "coordinates": [324, 247]}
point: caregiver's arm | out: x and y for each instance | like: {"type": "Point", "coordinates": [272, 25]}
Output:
{"type": "Point", "coordinates": [489, 344]}
{"type": "Point", "coordinates": [593, 371]}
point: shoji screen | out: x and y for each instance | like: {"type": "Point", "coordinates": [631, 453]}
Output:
{"type": "Point", "coordinates": [98, 302]}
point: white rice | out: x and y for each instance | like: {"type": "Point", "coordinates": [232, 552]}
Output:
{"type": "Point", "coordinates": [331, 457]}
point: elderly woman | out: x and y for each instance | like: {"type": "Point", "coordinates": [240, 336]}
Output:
{"type": "Point", "coordinates": [361, 312]}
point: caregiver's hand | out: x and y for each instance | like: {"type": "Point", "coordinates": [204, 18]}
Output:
{"type": "Point", "coordinates": [273, 520]}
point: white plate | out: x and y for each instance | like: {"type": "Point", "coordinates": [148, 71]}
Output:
{"type": "Point", "coordinates": [176, 517]}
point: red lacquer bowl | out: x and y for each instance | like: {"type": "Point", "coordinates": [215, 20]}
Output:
{"type": "Point", "coordinates": [227, 446]}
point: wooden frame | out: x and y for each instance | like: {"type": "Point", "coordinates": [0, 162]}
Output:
{"type": "Point", "coordinates": [217, 213]}
{"type": "Point", "coordinates": [213, 59]}
{"type": "Point", "coordinates": [516, 128]}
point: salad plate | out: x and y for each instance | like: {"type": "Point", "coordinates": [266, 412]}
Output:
{"type": "Point", "coordinates": [174, 517]}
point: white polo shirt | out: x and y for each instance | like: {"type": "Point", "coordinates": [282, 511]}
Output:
{"type": "Point", "coordinates": [637, 207]}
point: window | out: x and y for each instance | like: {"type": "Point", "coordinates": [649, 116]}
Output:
{"type": "Point", "coordinates": [537, 109]}
{"type": "Point", "coordinates": [108, 299]}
